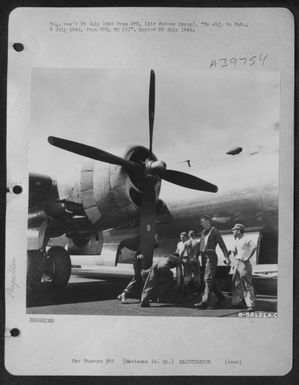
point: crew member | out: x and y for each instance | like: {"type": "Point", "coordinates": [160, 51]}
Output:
{"type": "Point", "coordinates": [134, 287]}
{"type": "Point", "coordinates": [180, 248]}
{"type": "Point", "coordinates": [191, 263]}
{"type": "Point", "coordinates": [209, 239]}
{"type": "Point", "coordinates": [242, 286]}
{"type": "Point", "coordinates": [181, 251]}
{"type": "Point", "coordinates": [161, 271]}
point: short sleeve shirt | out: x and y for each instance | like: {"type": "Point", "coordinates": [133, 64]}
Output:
{"type": "Point", "coordinates": [243, 247]}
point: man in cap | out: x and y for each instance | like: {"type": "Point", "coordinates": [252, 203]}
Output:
{"type": "Point", "coordinates": [242, 286]}
{"type": "Point", "coordinates": [209, 239]}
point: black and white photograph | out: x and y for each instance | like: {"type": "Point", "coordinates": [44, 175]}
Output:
{"type": "Point", "coordinates": [183, 222]}
{"type": "Point", "coordinates": [149, 220]}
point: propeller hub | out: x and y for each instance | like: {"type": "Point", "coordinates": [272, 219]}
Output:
{"type": "Point", "coordinates": [155, 167]}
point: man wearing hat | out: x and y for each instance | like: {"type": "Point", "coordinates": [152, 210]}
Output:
{"type": "Point", "coordinates": [242, 286]}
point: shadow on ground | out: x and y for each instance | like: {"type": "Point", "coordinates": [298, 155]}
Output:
{"type": "Point", "coordinates": [76, 292]}
{"type": "Point", "coordinates": [100, 291]}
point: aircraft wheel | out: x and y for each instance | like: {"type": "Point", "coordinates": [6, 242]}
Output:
{"type": "Point", "coordinates": [57, 267]}
{"type": "Point", "coordinates": [35, 263]}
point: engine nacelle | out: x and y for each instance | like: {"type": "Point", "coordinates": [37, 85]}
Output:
{"type": "Point", "coordinates": [85, 243]}
{"type": "Point", "coordinates": [37, 226]}
{"type": "Point", "coordinates": [110, 195]}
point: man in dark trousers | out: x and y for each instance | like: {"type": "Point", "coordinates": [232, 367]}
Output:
{"type": "Point", "coordinates": [134, 287]}
{"type": "Point", "coordinates": [161, 272]}
{"type": "Point", "coordinates": [209, 239]}
{"type": "Point", "coordinates": [192, 264]}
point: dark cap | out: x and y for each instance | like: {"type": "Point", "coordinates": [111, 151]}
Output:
{"type": "Point", "coordinates": [239, 226]}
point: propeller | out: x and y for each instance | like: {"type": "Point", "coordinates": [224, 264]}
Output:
{"type": "Point", "coordinates": [188, 181]}
{"type": "Point", "coordinates": [151, 171]}
{"type": "Point", "coordinates": [93, 153]}
{"type": "Point", "coordinates": [151, 112]}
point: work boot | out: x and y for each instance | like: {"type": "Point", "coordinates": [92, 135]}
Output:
{"type": "Point", "coordinates": [250, 309]}
{"type": "Point", "coordinates": [145, 303]}
{"type": "Point", "coordinates": [122, 298]}
{"type": "Point", "coordinates": [201, 305]}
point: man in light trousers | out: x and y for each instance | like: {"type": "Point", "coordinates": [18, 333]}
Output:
{"type": "Point", "coordinates": [242, 286]}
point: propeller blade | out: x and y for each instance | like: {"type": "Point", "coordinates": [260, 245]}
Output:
{"type": "Point", "coordinates": [148, 223]}
{"type": "Point", "coordinates": [92, 153]}
{"type": "Point", "coordinates": [187, 180]}
{"type": "Point", "coordinates": [151, 111]}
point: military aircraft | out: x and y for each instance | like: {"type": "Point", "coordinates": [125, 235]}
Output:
{"type": "Point", "coordinates": [115, 202]}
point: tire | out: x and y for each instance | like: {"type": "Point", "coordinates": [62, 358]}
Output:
{"type": "Point", "coordinates": [59, 260]}
{"type": "Point", "coordinates": [35, 264]}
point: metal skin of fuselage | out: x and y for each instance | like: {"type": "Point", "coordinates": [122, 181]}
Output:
{"type": "Point", "coordinates": [247, 193]}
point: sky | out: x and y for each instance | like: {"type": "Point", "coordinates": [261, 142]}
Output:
{"type": "Point", "coordinates": [198, 116]}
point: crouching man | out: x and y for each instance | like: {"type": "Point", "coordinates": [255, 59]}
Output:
{"type": "Point", "coordinates": [161, 272]}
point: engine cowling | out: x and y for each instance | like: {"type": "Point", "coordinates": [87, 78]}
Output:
{"type": "Point", "coordinates": [110, 195]}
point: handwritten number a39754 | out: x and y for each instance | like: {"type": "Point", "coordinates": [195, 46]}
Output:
{"type": "Point", "coordinates": [240, 61]}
